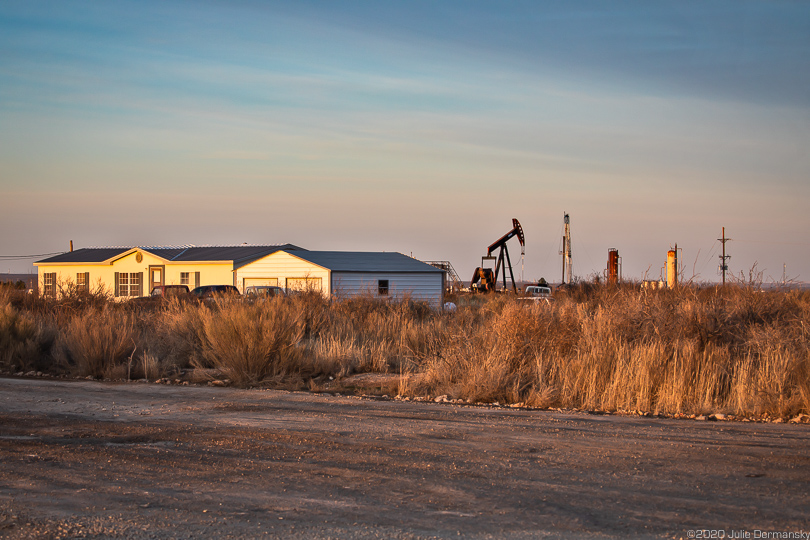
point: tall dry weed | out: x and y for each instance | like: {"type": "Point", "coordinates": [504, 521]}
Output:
{"type": "Point", "coordinates": [97, 341]}
{"type": "Point", "coordinates": [251, 342]}
{"type": "Point", "coordinates": [174, 335]}
{"type": "Point", "coordinates": [684, 351]}
{"type": "Point", "coordinates": [25, 342]}
{"type": "Point", "coordinates": [368, 335]}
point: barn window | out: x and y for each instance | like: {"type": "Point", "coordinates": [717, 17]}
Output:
{"type": "Point", "coordinates": [382, 287]}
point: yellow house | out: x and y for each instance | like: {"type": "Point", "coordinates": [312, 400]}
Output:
{"type": "Point", "coordinates": [128, 272]}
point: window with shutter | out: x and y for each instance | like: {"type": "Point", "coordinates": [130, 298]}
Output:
{"type": "Point", "coordinates": [123, 284]}
{"type": "Point", "coordinates": [49, 285]}
{"type": "Point", "coordinates": [129, 284]}
{"type": "Point", "coordinates": [81, 282]}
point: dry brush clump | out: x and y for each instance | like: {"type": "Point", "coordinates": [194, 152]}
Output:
{"type": "Point", "coordinates": [251, 342]}
{"type": "Point", "coordinates": [502, 351]}
{"type": "Point", "coordinates": [247, 342]}
{"type": "Point", "coordinates": [368, 335]}
{"type": "Point", "coordinates": [687, 351]}
{"type": "Point", "coordinates": [97, 342]}
{"type": "Point", "coordinates": [83, 334]}
{"type": "Point", "coordinates": [25, 340]}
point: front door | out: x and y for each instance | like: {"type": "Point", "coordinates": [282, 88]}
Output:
{"type": "Point", "coordinates": [155, 277]}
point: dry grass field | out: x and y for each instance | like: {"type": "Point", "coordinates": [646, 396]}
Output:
{"type": "Point", "coordinates": [733, 350]}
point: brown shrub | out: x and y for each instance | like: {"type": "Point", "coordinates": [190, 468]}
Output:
{"type": "Point", "coordinates": [690, 350]}
{"type": "Point", "coordinates": [251, 342]}
{"type": "Point", "coordinates": [25, 343]}
{"type": "Point", "coordinates": [97, 341]}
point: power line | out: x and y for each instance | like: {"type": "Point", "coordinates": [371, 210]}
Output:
{"type": "Point", "coordinates": [24, 257]}
{"type": "Point", "coordinates": [744, 241]}
{"type": "Point", "coordinates": [709, 257]}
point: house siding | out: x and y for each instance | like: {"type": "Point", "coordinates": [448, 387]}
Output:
{"type": "Point", "coordinates": [282, 266]}
{"type": "Point", "coordinates": [102, 275]}
{"type": "Point", "coordinates": [424, 287]}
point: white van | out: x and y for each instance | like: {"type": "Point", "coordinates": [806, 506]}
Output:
{"type": "Point", "coordinates": [537, 292]}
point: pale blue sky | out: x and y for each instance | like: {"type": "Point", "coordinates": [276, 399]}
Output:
{"type": "Point", "coordinates": [421, 127]}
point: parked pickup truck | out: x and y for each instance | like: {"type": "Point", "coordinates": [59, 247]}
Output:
{"type": "Point", "coordinates": [537, 293]}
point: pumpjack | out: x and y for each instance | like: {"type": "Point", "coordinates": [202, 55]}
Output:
{"type": "Point", "coordinates": [485, 279]}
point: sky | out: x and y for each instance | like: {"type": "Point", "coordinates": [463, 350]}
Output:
{"type": "Point", "coordinates": [415, 126]}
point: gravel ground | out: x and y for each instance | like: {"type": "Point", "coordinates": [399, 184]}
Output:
{"type": "Point", "coordinates": [102, 460]}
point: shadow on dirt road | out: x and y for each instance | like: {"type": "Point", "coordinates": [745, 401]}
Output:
{"type": "Point", "coordinates": [88, 459]}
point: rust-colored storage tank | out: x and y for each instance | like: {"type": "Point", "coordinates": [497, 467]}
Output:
{"type": "Point", "coordinates": [613, 266]}
{"type": "Point", "coordinates": [672, 268]}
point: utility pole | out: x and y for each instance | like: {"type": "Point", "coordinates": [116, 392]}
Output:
{"type": "Point", "coordinates": [724, 257]}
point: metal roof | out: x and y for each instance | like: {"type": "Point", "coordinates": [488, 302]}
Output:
{"type": "Point", "coordinates": [362, 261]}
{"type": "Point", "coordinates": [86, 255]}
{"type": "Point", "coordinates": [240, 255]}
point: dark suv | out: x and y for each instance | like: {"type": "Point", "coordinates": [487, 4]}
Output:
{"type": "Point", "coordinates": [210, 291]}
{"type": "Point", "coordinates": [163, 293]}
{"type": "Point", "coordinates": [169, 290]}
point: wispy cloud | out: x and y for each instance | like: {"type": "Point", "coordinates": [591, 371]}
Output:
{"type": "Point", "coordinates": [359, 111]}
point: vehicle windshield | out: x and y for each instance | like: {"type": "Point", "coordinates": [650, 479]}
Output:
{"type": "Point", "coordinates": [266, 290]}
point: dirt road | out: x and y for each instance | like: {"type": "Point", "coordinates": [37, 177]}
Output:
{"type": "Point", "coordinates": [102, 460]}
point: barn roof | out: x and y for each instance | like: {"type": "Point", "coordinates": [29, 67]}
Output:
{"type": "Point", "coordinates": [363, 261]}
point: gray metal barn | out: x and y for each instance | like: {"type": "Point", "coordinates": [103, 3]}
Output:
{"type": "Point", "coordinates": [345, 274]}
